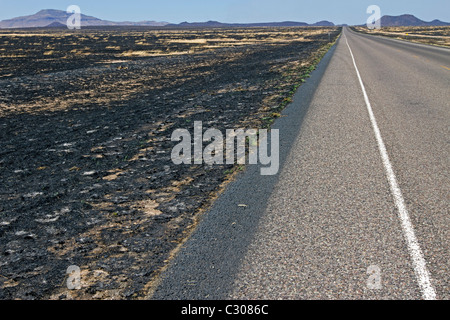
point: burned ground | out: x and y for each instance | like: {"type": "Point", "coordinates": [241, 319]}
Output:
{"type": "Point", "coordinates": [85, 150]}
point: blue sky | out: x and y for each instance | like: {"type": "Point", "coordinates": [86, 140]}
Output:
{"type": "Point", "coordinates": [175, 11]}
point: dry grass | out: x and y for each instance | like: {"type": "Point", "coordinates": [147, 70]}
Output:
{"type": "Point", "coordinates": [439, 36]}
{"type": "Point", "coordinates": [143, 53]}
{"type": "Point", "coordinates": [54, 48]}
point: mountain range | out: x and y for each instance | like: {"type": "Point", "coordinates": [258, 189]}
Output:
{"type": "Point", "coordinates": [58, 18]}
{"type": "Point", "coordinates": [408, 20]}
{"type": "Point", "coordinates": [216, 24]}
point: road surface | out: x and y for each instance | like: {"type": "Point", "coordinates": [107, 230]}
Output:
{"type": "Point", "coordinates": [360, 207]}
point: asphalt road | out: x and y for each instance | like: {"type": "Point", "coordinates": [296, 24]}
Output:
{"type": "Point", "coordinates": [363, 187]}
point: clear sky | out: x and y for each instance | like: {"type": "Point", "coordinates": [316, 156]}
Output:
{"type": "Point", "coordinates": [175, 11]}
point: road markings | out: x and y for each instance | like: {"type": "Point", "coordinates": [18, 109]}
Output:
{"type": "Point", "coordinates": [419, 263]}
{"type": "Point", "coordinates": [445, 67]}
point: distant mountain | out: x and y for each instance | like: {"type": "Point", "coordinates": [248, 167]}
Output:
{"type": "Point", "coordinates": [323, 24]}
{"type": "Point", "coordinates": [408, 20]}
{"type": "Point", "coordinates": [52, 18]}
{"type": "Point", "coordinates": [56, 25]}
{"type": "Point", "coordinates": [216, 24]}
{"type": "Point", "coordinates": [209, 24]}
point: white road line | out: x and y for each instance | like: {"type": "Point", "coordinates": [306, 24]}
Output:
{"type": "Point", "coordinates": [419, 263]}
